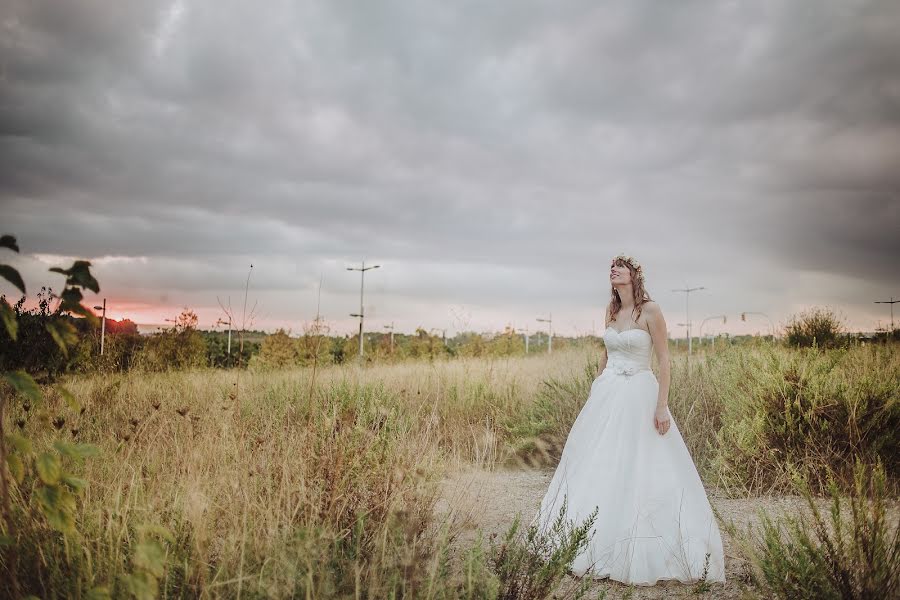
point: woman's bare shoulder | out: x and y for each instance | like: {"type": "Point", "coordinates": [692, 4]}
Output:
{"type": "Point", "coordinates": [651, 307]}
{"type": "Point", "coordinates": [653, 312]}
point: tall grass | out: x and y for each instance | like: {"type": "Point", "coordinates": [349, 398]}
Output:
{"type": "Point", "coordinates": [807, 411]}
{"type": "Point", "coordinates": [258, 493]}
{"type": "Point", "coordinates": [277, 485]}
{"type": "Point", "coordinates": [268, 490]}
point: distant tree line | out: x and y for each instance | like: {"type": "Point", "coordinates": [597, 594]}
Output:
{"type": "Point", "coordinates": [184, 346]}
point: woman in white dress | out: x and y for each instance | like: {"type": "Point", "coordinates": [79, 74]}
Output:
{"type": "Point", "coordinates": [625, 456]}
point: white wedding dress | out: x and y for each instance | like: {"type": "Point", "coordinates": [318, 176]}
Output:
{"type": "Point", "coordinates": [654, 520]}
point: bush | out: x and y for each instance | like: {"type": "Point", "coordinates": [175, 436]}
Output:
{"type": "Point", "coordinates": [806, 411]}
{"type": "Point", "coordinates": [824, 558]}
{"type": "Point", "coordinates": [531, 563]}
{"type": "Point", "coordinates": [34, 349]}
{"type": "Point", "coordinates": [819, 327]}
{"type": "Point", "coordinates": [181, 347]}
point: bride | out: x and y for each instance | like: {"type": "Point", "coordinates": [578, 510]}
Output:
{"type": "Point", "coordinates": [625, 456]}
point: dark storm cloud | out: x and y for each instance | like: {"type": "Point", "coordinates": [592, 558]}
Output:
{"type": "Point", "coordinates": [530, 140]}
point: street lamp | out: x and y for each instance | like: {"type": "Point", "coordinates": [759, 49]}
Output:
{"type": "Point", "coordinates": [550, 327]}
{"type": "Point", "coordinates": [525, 331]}
{"type": "Point", "coordinates": [228, 322]}
{"type": "Point", "coordinates": [391, 327]}
{"type": "Point", "coordinates": [687, 312]}
{"type": "Point", "coordinates": [102, 325]}
{"type": "Point", "coordinates": [362, 277]}
{"type": "Point", "coordinates": [891, 302]}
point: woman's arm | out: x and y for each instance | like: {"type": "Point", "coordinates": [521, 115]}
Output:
{"type": "Point", "coordinates": [659, 333]}
{"type": "Point", "coordinates": [604, 358]}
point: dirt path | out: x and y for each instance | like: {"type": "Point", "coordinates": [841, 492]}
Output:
{"type": "Point", "coordinates": [489, 500]}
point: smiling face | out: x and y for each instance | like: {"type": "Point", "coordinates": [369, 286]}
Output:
{"type": "Point", "coordinates": [619, 273]}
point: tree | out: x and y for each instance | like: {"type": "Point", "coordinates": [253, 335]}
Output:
{"type": "Point", "coordinates": [178, 347]}
{"type": "Point", "coordinates": [278, 350]}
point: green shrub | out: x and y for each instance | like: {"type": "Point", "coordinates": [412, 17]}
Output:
{"type": "Point", "coordinates": [816, 327]}
{"type": "Point", "coordinates": [531, 564]}
{"type": "Point", "coordinates": [180, 347]}
{"type": "Point", "coordinates": [807, 411]}
{"type": "Point", "coordinates": [528, 564]}
{"type": "Point", "coordinates": [812, 556]}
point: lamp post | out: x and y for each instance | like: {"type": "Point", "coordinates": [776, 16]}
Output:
{"type": "Point", "coordinates": [687, 312]}
{"type": "Point", "coordinates": [679, 325]}
{"type": "Point", "coordinates": [549, 321]}
{"type": "Point", "coordinates": [891, 302]}
{"type": "Point", "coordinates": [102, 326]}
{"type": "Point", "coordinates": [228, 322]}
{"type": "Point", "coordinates": [525, 331]}
{"type": "Point", "coordinates": [391, 327]}
{"type": "Point", "coordinates": [362, 277]}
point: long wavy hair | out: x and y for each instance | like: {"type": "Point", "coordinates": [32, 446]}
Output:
{"type": "Point", "coordinates": [641, 296]}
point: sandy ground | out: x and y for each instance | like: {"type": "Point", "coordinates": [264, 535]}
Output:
{"type": "Point", "coordinates": [488, 501]}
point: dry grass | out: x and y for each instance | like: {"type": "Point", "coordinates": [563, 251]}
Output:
{"type": "Point", "coordinates": [277, 487]}
{"type": "Point", "coordinates": [262, 483]}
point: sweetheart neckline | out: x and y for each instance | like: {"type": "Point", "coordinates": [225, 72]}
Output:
{"type": "Point", "coordinates": [627, 330]}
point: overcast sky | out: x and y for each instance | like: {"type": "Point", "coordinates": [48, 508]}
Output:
{"type": "Point", "coordinates": [491, 156]}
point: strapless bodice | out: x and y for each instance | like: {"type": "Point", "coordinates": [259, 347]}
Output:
{"type": "Point", "coordinates": [628, 351]}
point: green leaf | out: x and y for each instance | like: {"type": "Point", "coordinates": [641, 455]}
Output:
{"type": "Point", "coordinates": [87, 450]}
{"type": "Point", "coordinates": [12, 275]}
{"type": "Point", "coordinates": [20, 443]}
{"type": "Point", "coordinates": [60, 520]}
{"type": "Point", "coordinates": [6, 540]}
{"type": "Point", "coordinates": [70, 297]}
{"type": "Point", "coordinates": [48, 467]}
{"type": "Point", "coordinates": [151, 557]}
{"type": "Point", "coordinates": [9, 241]}
{"type": "Point", "coordinates": [25, 385]}
{"type": "Point", "coordinates": [16, 467]}
{"type": "Point", "coordinates": [101, 592]}
{"type": "Point", "coordinates": [63, 333]}
{"type": "Point", "coordinates": [76, 450]}
{"type": "Point", "coordinates": [48, 496]}
{"type": "Point", "coordinates": [69, 397]}
{"type": "Point", "coordinates": [159, 530]}
{"type": "Point", "coordinates": [142, 585]}
{"type": "Point", "coordinates": [9, 319]}
{"type": "Point", "coordinates": [79, 274]}
{"type": "Point", "coordinates": [75, 483]}
{"type": "Point", "coordinates": [71, 302]}
{"type": "Point", "coordinates": [58, 505]}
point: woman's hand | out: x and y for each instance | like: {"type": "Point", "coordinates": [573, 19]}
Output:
{"type": "Point", "coordinates": [662, 419]}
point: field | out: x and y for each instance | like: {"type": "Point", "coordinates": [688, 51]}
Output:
{"type": "Point", "coordinates": [387, 481]}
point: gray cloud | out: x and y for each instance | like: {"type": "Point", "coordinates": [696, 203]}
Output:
{"type": "Point", "coordinates": [490, 156]}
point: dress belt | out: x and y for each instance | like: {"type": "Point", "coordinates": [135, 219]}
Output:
{"type": "Point", "coordinates": [627, 370]}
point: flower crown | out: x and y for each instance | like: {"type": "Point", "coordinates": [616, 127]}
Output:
{"type": "Point", "coordinates": [639, 272]}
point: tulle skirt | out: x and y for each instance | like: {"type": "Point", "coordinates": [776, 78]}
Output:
{"type": "Point", "coordinates": [654, 520]}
